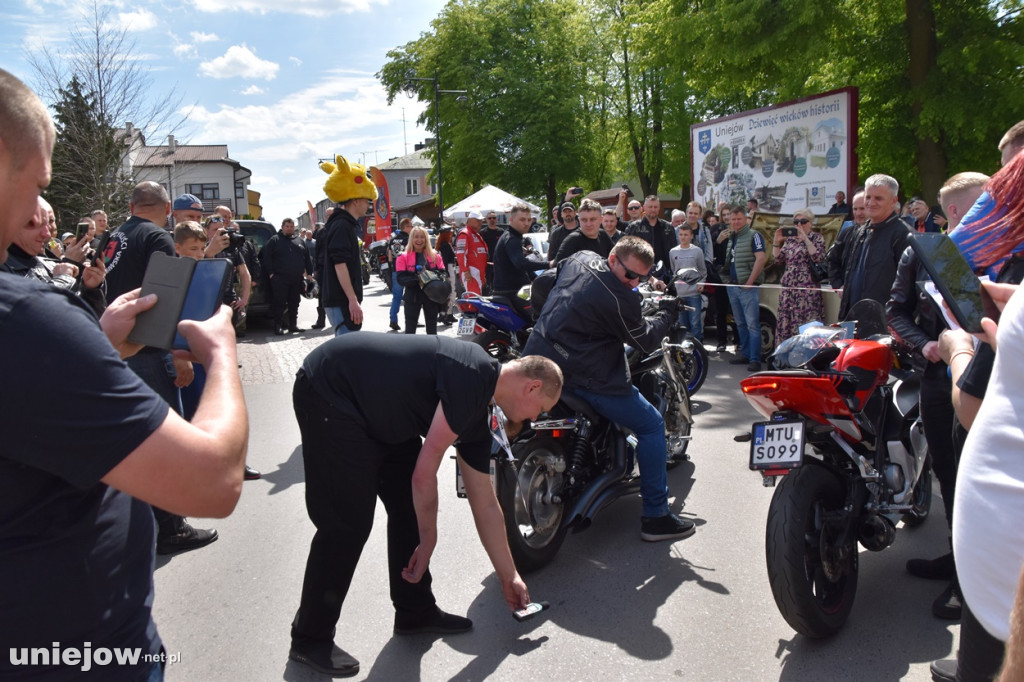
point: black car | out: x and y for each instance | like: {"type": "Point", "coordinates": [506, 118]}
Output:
{"type": "Point", "coordinates": [258, 233]}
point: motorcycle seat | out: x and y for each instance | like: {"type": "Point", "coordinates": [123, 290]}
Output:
{"type": "Point", "coordinates": [577, 404]}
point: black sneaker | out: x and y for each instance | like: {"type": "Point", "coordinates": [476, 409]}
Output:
{"type": "Point", "coordinates": [435, 621]}
{"type": "Point", "coordinates": [251, 474]}
{"type": "Point", "coordinates": [278, 331]}
{"type": "Point", "coordinates": [720, 348]}
{"type": "Point", "coordinates": [668, 527]}
{"type": "Point", "coordinates": [754, 367]}
{"type": "Point", "coordinates": [944, 670]}
{"type": "Point", "coordinates": [318, 325]}
{"type": "Point", "coordinates": [395, 327]}
{"type": "Point", "coordinates": [186, 539]}
{"type": "Point", "coordinates": [324, 657]}
{"type": "Point", "coordinates": [940, 568]}
{"type": "Point", "coordinates": [739, 361]}
{"type": "Point", "coordinates": [295, 330]}
{"type": "Point", "coordinates": [949, 605]}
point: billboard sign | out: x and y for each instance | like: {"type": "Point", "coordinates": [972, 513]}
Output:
{"type": "Point", "coordinates": [787, 156]}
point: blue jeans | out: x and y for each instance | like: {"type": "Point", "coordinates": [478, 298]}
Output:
{"type": "Point", "coordinates": [693, 320]}
{"type": "Point", "coordinates": [336, 316]}
{"type": "Point", "coordinates": [748, 321]}
{"type": "Point", "coordinates": [632, 411]}
{"type": "Point", "coordinates": [396, 296]}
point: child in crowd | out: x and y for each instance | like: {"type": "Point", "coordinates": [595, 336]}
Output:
{"type": "Point", "coordinates": [688, 255]}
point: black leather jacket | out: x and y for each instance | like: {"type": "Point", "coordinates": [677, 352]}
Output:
{"type": "Point", "coordinates": [587, 318]}
{"type": "Point", "coordinates": [23, 264]}
{"type": "Point", "coordinates": [885, 243]}
{"type": "Point", "coordinates": [910, 314]}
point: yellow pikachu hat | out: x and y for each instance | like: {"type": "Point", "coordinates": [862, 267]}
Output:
{"type": "Point", "coordinates": [347, 181]}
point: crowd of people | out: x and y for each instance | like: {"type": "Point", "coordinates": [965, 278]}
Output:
{"type": "Point", "coordinates": [91, 511]}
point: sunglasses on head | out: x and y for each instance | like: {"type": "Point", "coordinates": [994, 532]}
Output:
{"type": "Point", "coordinates": [800, 221]}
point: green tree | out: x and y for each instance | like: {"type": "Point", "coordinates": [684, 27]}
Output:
{"type": "Point", "coordinates": [528, 123]}
{"type": "Point", "coordinates": [87, 158]}
{"type": "Point", "coordinates": [102, 59]}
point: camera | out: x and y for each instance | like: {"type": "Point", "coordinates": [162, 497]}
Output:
{"type": "Point", "coordinates": [576, 191]}
{"type": "Point", "coordinates": [625, 187]}
{"type": "Point", "coordinates": [788, 231]}
{"type": "Point", "coordinates": [235, 238]}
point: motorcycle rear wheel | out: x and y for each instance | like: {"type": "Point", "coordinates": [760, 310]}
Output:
{"type": "Point", "coordinates": [497, 344]}
{"type": "Point", "coordinates": [813, 579]}
{"type": "Point", "coordinates": [534, 524]}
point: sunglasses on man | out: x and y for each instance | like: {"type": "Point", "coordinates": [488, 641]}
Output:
{"type": "Point", "coordinates": [634, 275]}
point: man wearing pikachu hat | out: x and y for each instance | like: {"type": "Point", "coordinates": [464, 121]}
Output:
{"type": "Point", "coordinates": [349, 186]}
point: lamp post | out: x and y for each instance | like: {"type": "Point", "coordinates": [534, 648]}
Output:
{"type": "Point", "coordinates": [437, 134]}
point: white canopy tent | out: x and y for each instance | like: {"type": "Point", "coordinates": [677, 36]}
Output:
{"type": "Point", "coordinates": [490, 198]}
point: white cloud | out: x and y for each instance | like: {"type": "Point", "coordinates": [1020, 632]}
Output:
{"type": "Point", "coordinates": [343, 113]}
{"type": "Point", "coordinates": [239, 60]}
{"type": "Point", "coordinates": [200, 37]}
{"type": "Point", "coordinates": [139, 20]}
{"type": "Point", "coordinates": [253, 90]}
{"type": "Point", "coordinates": [185, 50]}
{"type": "Point", "coordinates": [295, 60]}
{"type": "Point", "coordinates": [316, 8]}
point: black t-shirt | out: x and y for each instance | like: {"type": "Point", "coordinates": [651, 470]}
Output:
{"type": "Point", "coordinates": [491, 238]}
{"type": "Point", "coordinates": [393, 383]}
{"type": "Point", "coordinates": [342, 246]}
{"type": "Point", "coordinates": [577, 241]}
{"type": "Point", "coordinates": [76, 556]}
{"type": "Point", "coordinates": [128, 251]}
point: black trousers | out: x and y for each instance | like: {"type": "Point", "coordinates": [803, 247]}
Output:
{"type": "Point", "coordinates": [719, 302]}
{"type": "Point", "coordinates": [157, 371]}
{"type": "Point", "coordinates": [285, 290]}
{"type": "Point", "coordinates": [414, 300]}
{"type": "Point", "coordinates": [937, 414]}
{"type": "Point", "coordinates": [346, 470]}
{"type": "Point", "coordinates": [981, 654]}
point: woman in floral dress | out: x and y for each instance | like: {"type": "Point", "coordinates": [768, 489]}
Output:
{"type": "Point", "coordinates": [800, 301]}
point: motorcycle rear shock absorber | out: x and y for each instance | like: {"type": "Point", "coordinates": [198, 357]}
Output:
{"type": "Point", "coordinates": [584, 429]}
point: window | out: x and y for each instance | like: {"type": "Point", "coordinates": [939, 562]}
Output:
{"type": "Point", "coordinates": [433, 188]}
{"type": "Point", "coordinates": [239, 189]}
{"type": "Point", "coordinates": [204, 191]}
{"type": "Point", "coordinates": [412, 187]}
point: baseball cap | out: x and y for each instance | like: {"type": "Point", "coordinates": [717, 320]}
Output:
{"type": "Point", "coordinates": [474, 214]}
{"type": "Point", "coordinates": [566, 205]}
{"type": "Point", "coordinates": [187, 202]}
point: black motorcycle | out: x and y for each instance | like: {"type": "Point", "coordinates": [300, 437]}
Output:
{"type": "Point", "coordinates": [565, 469]}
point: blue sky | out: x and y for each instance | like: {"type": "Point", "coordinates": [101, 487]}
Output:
{"type": "Point", "coordinates": [281, 82]}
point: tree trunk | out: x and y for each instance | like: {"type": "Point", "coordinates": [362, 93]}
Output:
{"type": "Point", "coordinates": [923, 51]}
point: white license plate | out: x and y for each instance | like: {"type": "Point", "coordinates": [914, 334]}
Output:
{"type": "Point", "coordinates": [777, 445]}
{"type": "Point", "coordinates": [467, 326]}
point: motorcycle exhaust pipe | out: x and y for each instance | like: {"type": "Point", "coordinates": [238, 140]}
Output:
{"type": "Point", "coordinates": [876, 533]}
{"type": "Point", "coordinates": [594, 497]}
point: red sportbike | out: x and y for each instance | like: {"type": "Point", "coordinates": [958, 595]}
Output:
{"type": "Point", "coordinates": [839, 390]}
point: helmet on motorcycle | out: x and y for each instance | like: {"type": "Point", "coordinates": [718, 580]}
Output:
{"type": "Point", "coordinates": [686, 281]}
{"type": "Point", "coordinates": [813, 348]}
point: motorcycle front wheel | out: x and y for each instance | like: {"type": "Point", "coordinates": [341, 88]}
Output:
{"type": "Point", "coordinates": [695, 367]}
{"type": "Point", "coordinates": [525, 489]}
{"type": "Point", "coordinates": [813, 578]}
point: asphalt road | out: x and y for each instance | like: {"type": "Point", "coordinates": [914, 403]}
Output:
{"type": "Point", "coordinates": [622, 609]}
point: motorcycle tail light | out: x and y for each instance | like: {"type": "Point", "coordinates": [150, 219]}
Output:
{"type": "Point", "coordinates": [763, 387]}
{"type": "Point", "coordinates": [468, 307]}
